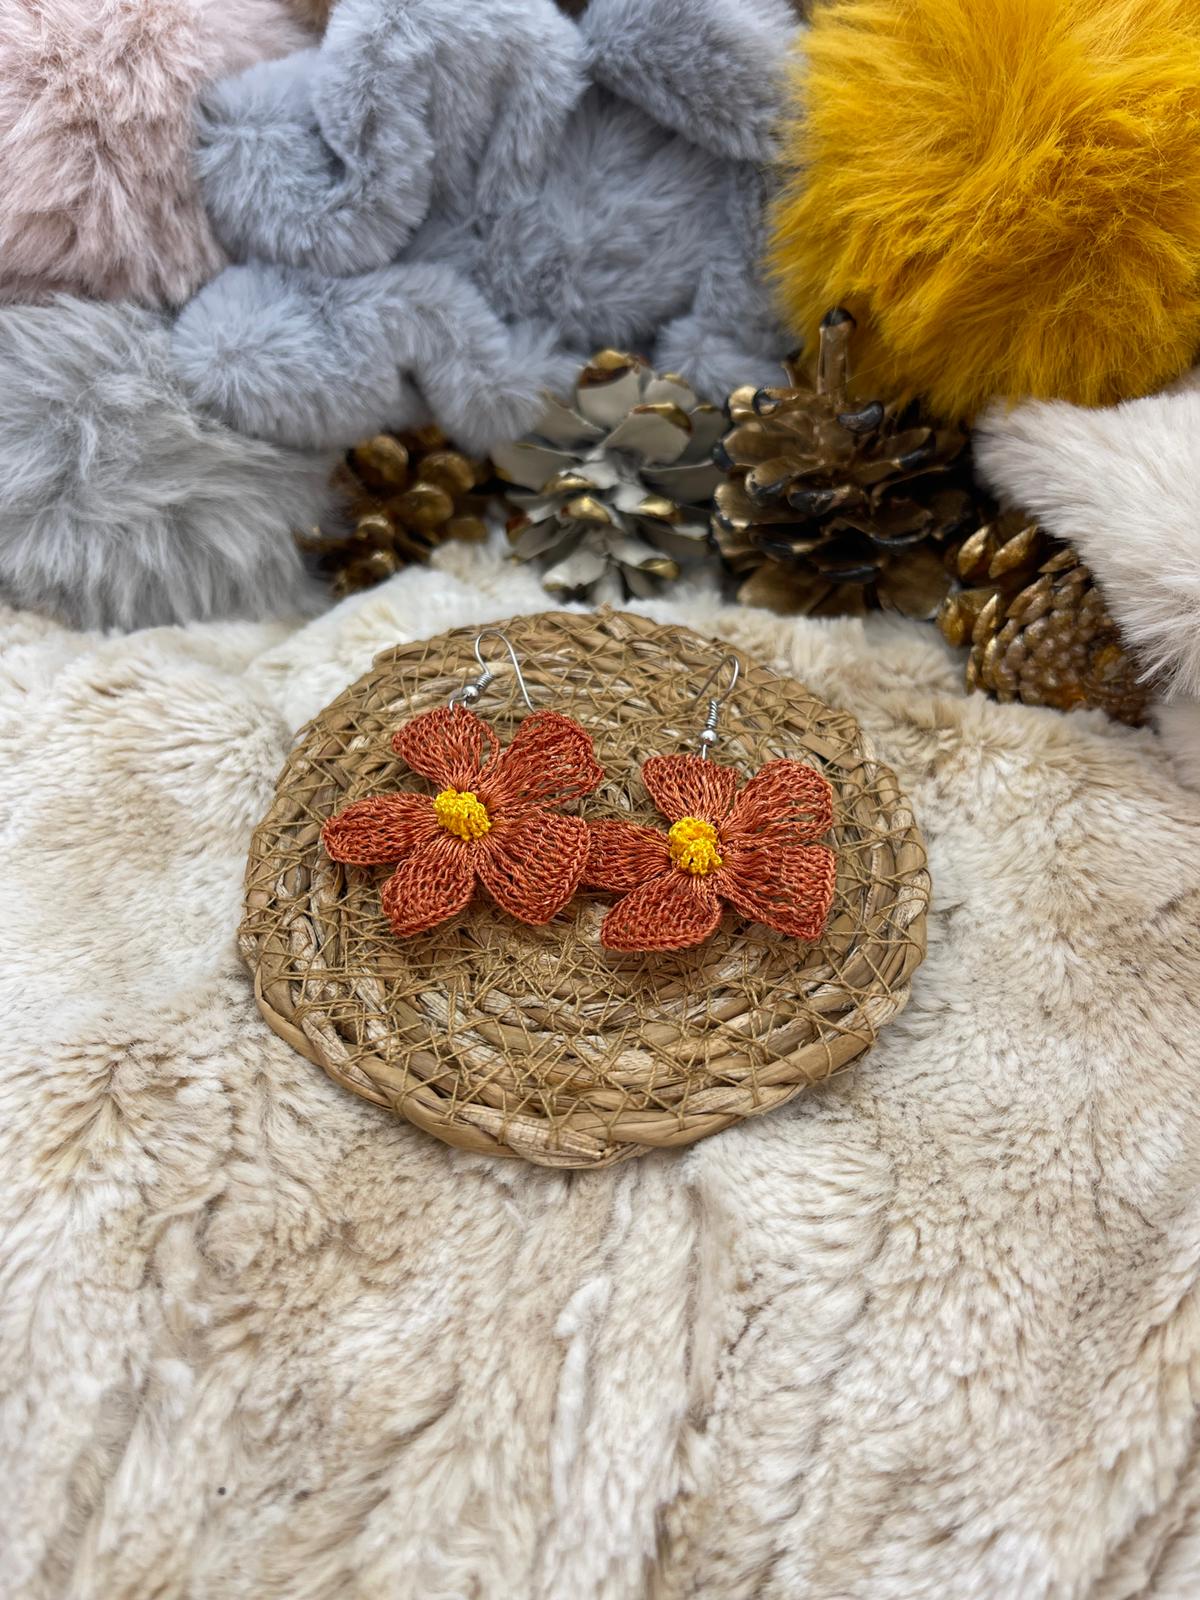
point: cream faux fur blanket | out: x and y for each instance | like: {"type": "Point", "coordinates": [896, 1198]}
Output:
{"type": "Point", "coordinates": [931, 1331]}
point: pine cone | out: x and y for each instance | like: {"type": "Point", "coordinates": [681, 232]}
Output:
{"type": "Point", "coordinates": [406, 493]}
{"type": "Point", "coordinates": [833, 507]}
{"type": "Point", "coordinates": [620, 482]}
{"type": "Point", "coordinates": [1000, 558]}
{"type": "Point", "coordinates": [1053, 643]}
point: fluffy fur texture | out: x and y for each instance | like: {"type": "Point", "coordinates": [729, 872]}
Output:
{"type": "Point", "coordinates": [1007, 192]}
{"type": "Point", "coordinates": [121, 505]}
{"type": "Point", "coordinates": [315, 13]}
{"type": "Point", "coordinates": [96, 106]}
{"type": "Point", "coordinates": [1123, 484]}
{"type": "Point", "coordinates": [313, 361]}
{"type": "Point", "coordinates": [930, 1331]}
{"type": "Point", "coordinates": [716, 52]}
{"type": "Point", "coordinates": [555, 186]}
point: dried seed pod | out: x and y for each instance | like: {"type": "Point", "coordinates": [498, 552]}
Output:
{"type": "Point", "coordinates": [1053, 643]}
{"type": "Point", "coordinates": [835, 506]}
{"type": "Point", "coordinates": [405, 494]}
{"type": "Point", "coordinates": [999, 558]}
{"type": "Point", "coordinates": [612, 489]}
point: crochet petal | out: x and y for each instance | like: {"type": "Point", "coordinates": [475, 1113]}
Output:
{"type": "Point", "coordinates": [549, 761]}
{"type": "Point", "coordinates": [532, 865]}
{"type": "Point", "coordinates": [672, 912]}
{"type": "Point", "coordinates": [787, 800]}
{"type": "Point", "coordinates": [686, 786]}
{"type": "Point", "coordinates": [431, 886]}
{"type": "Point", "coordinates": [789, 889]}
{"type": "Point", "coordinates": [380, 829]}
{"type": "Point", "coordinates": [449, 744]}
{"type": "Point", "coordinates": [621, 856]}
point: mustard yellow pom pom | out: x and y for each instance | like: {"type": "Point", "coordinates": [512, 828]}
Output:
{"type": "Point", "coordinates": [1005, 193]}
{"type": "Point", "coordinates": [460, 812]}
{"type": "Point", "coordinates": [693, 845]}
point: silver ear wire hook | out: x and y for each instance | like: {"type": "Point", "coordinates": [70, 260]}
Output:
{"type": "Point", "coordinates": [471, 693]}
{"type": "Point", "coordinates": [708, 734]}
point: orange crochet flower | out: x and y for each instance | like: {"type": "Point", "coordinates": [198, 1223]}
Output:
{"type": "Point", "coordinates": [754, 853]}
{"type": "Point", "coordinates": [493, 820]}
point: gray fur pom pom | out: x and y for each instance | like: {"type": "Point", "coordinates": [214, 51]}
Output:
{"type": "Point", "coordinates": [120, 505]}
{"type": "Point", "coordinates": [445, 208]}
{"type": "Point", "coordinates": [701, 67]}
{"type": "Point", "coordinates": [287, 355]}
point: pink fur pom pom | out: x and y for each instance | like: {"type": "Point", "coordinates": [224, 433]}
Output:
{"type": "Point", "coordinates": [96, 115]}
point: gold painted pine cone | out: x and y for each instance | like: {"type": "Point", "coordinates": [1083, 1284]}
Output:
{"type": "Point", "coordinates": [612, 489]}
{"type": "Point", "coordinates": [1055, 644]}
{"type": "Point", "coordinates": [406, 494]}
{"type": "Point", "coordinates": [834, 507]}
{"type": "Point", "coordinates": [999, 558]}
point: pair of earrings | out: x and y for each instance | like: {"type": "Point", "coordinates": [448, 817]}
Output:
{"type": "Point", "coordinates": [497, 821]}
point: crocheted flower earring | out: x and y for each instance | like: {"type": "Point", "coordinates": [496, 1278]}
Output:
{"type": "Point", "coordinates": [494, 819]}
{"type": "Point", "coordinates": [753, 851]}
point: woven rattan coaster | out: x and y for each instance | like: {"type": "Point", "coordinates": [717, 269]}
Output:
{"type": "Point", "coordinates": [537, 1042]}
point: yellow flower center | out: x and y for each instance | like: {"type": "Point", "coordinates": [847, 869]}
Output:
{"type": "Point", "coordinates": [694, 846]}
{"type": "Point", "coordinates": [460, 812]}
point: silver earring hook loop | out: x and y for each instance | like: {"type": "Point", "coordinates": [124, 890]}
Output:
{"type": "Point", "coordinates": [471, 693]}
{"type": "Point", "coordinates": [708, 734]}
{"type": "Point", "coordinates": [735, 673]}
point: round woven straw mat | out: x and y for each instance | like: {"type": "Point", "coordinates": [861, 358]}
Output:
{"type": "Point", "coordinates": [538, 1042]}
